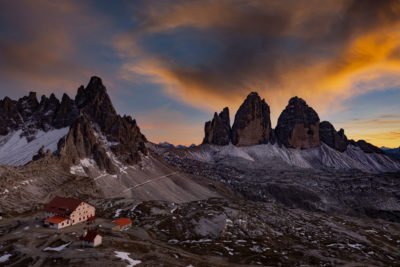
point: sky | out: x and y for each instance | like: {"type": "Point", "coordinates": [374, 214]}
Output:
{"type": "Point", "coordinates": [172, 64]}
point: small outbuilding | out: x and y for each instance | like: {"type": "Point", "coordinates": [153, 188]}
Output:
{"type": "Point", "coordinates": [57, 222]}
{"type": "Point", "coordinates": [122, 224]}
{"type": "Point", "coordinates": [91, 239]}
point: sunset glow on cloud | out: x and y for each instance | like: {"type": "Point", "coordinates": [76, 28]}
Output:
{"type": "Point", "coordinates": [171, 64]}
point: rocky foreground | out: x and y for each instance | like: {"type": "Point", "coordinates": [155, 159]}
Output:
{"type": "Point", "coordinates": [213, 232]}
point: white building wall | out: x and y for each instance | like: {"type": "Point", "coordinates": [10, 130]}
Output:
{"type": "Point", "coordinates": [60, 225]}
{"type": "Point", "coordinates": [97, 241]}
{"type": "Point", "coordinates": [83, 212]}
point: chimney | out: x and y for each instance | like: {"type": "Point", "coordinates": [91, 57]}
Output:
{"type": "Point", "coordinates": [84, 232]}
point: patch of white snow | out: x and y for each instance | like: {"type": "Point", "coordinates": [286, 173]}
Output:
{"type": "Point", "coordinates": [16, 150]}
{"type": "Point", "coordinates": [125, 256]}
{"type": "Point", "coordinates": [62, 247]}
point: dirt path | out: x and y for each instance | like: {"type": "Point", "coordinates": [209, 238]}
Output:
{"type": "Point", "coordinates": [149, 181]}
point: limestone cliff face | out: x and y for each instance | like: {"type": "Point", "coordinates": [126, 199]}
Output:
{"type": "Point", "coordinates": [67, 112]}
{"type": "Point", "coordinates": [30, 115]}
{"type": "Point", "coordinates": [97, 116]}
{"type": "Point", "coordinates": [82, 142]}
{"type": "Point", "coordinates": [252, 125]}
{"type": "Point", "coordinates": [331, 137]}
{"type": "Point", "coordinates": [90, 117]}
{"type": "Point", "coordinates": [218, 131]}
{"type": "Point", "coordinates": [122, 132]}
{"type": "Point", "coordinates": [298, 125]}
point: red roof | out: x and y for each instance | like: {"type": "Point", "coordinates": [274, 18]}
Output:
{"type": "Point", "coordinates": [62, 205]}
{"type": "Point", "coordinates": [90, 236]}
{"type": "Point", "coordinates": [121, 222]}
{"type": "Point", "coordinates": [55, 219]}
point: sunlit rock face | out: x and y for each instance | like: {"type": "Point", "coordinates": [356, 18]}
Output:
{"type": "Point", "coordinates": [252, 125]}
{"type": "Point", "coordinates": [331, 137]}
{"type": "Point", "coordinates": [218, 131]}
{"type": "Point", "coordinates": [298, 125]}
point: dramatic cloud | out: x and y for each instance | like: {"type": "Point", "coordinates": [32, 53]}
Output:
{"type": "Point", "coordinates": [40, 42]}
{"type": "Point", "coordinates": [321, 52]}
{"type": "Point", "coordinates": [383, 131]}
{"type": "Point", "coordinates": [199, 56]}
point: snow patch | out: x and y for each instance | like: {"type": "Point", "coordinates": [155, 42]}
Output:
{"type": "Point", "coordinates": [60, 248]}
{"type": "Point", "coordinates": [323, 157]}
{"type": "Point", "coordinates": [125, 256]}
{"type": "Point", "coordinates": [80, 168]}
{"type": "Point", "coordinates": [117, 213]}
{"type": "Point", "coordinates": [5, 258]}
{"type": "Point", "coordinates": [16, 150]}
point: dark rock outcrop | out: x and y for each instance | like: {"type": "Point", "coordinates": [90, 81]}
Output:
{"type": "Point", "coordinates": [82, 142]}
{"type": "Point", "coordinates": [41, 154]}
{"type": "Point", "coordinates": [331, 137]}
{"type": "Point", "coordinates": [298, 125]}
{"type": "Point", "coordinates": [9, 119]}
{"type": "Point", "coordinates": [67, 113]}
{"type": "Point", "coordinates": [218, 131]}
{"type": "Point", "coordinates": [95, 127]}
{"type": "Point", "coordinates": [123, 134]}
{"type": "Point", "coordinates": [252, 125]}
{"type": "Point", "coordinates": [29, 115]}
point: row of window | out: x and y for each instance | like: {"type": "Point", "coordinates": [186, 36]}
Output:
{"type": "Point", "coordinates": [80, 219]}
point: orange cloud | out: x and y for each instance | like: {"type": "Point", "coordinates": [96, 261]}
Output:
{"type": "Point", "coordinates": [164, 124]}
{"type": "Point", "coordinates": [380, 139]}
{"type": "Point", "coordinates": [346, 48]}
{"type": "Point", "coordinates": [378, 132]}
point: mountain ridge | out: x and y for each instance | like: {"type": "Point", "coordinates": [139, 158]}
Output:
{"type": "Point", "coordinates": [89, 114]}
{"type": "Point", "coordinates": [298, 127]}
{"type": "Point", "coordinates": [88, 127]}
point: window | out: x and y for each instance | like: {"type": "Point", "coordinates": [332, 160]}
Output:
{"type": "Point", "coordinates": [73, 221]}
{"type": "Point", "coordinates": [62, 224]}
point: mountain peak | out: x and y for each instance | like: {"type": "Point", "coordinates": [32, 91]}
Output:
{"type": "Point", "coordinates": [218, 131]}
{"type": "Point", "coordinates": [298, 125]}
{"type": "Point", "coordinates": [32, 96]}
{"type": "Point", "coordinates": [253, 94]}
{"type": "Point", "coordinates": [95, 80]}
{"type": "Point", "coordinates": [252, 125]}
{"type": "Point", "coordinates": [92, 125]}
{"type": "Point", "coordinates": [95, 100]}
{"type": "Point", "coordinates": [331, 137]}
{"type": "Point", "coordinates": [297, 101]}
